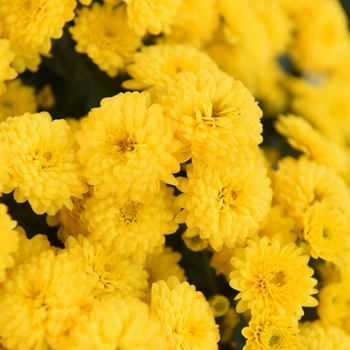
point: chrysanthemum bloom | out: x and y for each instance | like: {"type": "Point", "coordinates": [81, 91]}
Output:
{"type": "Point", "coordinates": [116, 274]}
{"type": "Point", "coordinates": [161, 267]}
{"type": "Point", "coordinates": [325, 230]}
{"type": "Point", "coordinates": [226, 207]}
{"type": "Point", "coordinates": [17, 100]}
{"type": "Point", "coordinates": [298, 183]}
{"type": "Point", "coordinates": [153, 16]}
{"type": "Point", "coordinates": [268, 273]}
{"type": "Point", "coordinates": [127, 146]}
{"type": "Point", "coordinates": [317, 335]}
{"type": "Point", "coordinates": [6, 56]}
{"type": "Point", "coordinates": [103, 34]}
{"type": "Point", "coordinates": [333, 303]}
{"type": "Point", "coordinates": [9, 241]}
{"type": "Point", "coordinates": [156, 64]}
{"type": "Point", "coordinates": [124, 324]}
{"type": "Point", "coordinates": [45, 170]}
{"type": "Point", "coordinates": [303, 137]}
{"type": "Point", "coordinates": [133, 228]}
{"type": "Point", "coordinates": [217, 118]}
{"type": "Point", "coordinates": [33, 23]}
{"type": "Point", "coordinates": [187, 315]}
{"type": "Point", "coordinates": [40, 299]}
{"type": "Point", "coordinates": [269, 332]}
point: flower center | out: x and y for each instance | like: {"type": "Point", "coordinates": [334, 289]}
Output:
{"type": "Point", "coordinates": [278, 278]}
{"type": "Point", "coordinates": [227, 197]}
{"type": "Point", "coordinates": [47, 159]}
{"type": "Point", "coordinates": [275, 341]}
{"type": "Point", "coordinates": [129, 212]}
{"type": "Point", "coordinates": [123, 145]}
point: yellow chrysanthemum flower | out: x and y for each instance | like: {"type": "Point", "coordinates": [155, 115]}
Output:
{"type": "Point", "coordinates": [303, 137]}
{"type": "Point", "coordinates": [40, 299]}
{"type": "Point", "coordinates": [124, 324]}
{"type": "Point", "coordinates": [156, 64]}
{"type": "Point", "coordinates": [9, 241]}
{"type": "Point", "coordinates": [133, 228]}
{"type": "Point", "coordinates": [45, 170]}
{"type": "Point", "coordinates": [17, 100]}
{"type": "Point", "coordinates": [269, 332]}
{"type": "Point", "coordinates": [226, 207]}
{"type": "Point", "coordinates": [103, 34]}
{"type": "Point", "coordinates": [33, 23]}
{"type": "Point", "coordinates": [268, 273]}
{"type": "Point", "coordinates": [127, 146]}
{"type": "Point", "coordinates": [6, 56]}
{"type": "Point", "coordinates": [161, 267]}
{"type": "Point", "coordinates": [317, 335]}
{"type": "Point", "coordinates": [154, 16]}
{"type": "Point", "coordinates": [325, 230]}
{"type": "Point", "coordinates": [217, 118]}
{"type": "Point", "coordinates": [189, 320]}
{"type": "Point", "coordinates": [116, 275]}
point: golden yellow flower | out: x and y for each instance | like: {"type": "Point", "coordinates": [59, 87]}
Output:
{"type": "Point", "coordinates": [226, 207]}
{"type": "Point", "coordinates": [156, 64]}
{"type": "Point", "coordinates": [154, 16]}
{"type": "Point", "coordinates": [103, 34]}
{"type": "Point", "coordinates": [17, 100]}
{"type": "Point", "coordinates": [302, 136]}
{"type": "Point", "coordinates": [269, 332]}
{"type": "Point", "coordinates": [127, 146]}
{"type": "Point", "coordinates": [325, 230]}
{"type": "Point", "coordinates": [40, 299]}
{"type": "Point", "coordinates": [133, 228]}
{"type": "Point", "coordinates": [189, 320]}
{"type": "Point", "coordinates": [6, 56]}
{"type": "Point", "coordinates": [124, 324]}
{"type": "Point", "coordinates": [269, 273]}
{"type": "Point", "coordinates": [45, 170]}
{"type": "Point", "coordinates": [317, 335]}
{"type": "Point", "coordinates": [217, 118]}
{"type": "Point", "coordinates": [9, 241]}
{"type": "Point", "coordinates": [116, 275]}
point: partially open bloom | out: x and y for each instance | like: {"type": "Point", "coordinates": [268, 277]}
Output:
{"type": "Point", "coordinates": [271, 274]}
{"type": "Point", "coordinates": [189, 320]}
{"type": "Point", "coordinates": [45, 170]}
{"type": "Point", "coordinates": [103, 34]}
{"type": "Point", "coordinates": [127, 146]}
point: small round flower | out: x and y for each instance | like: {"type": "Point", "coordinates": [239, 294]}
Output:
{"type": "Point", "coordinates": [187, 315]}
{"type": "Point", "coordinates": [325, 230]}
{"type": "Point", "coordinates": [6, 56]}
{"type": "Point", "coordinates": [127, 146]}
{"type": "Point", "coordinates": [124, 324]}
{"type": "Point", "coordinates": [117, 275]}
{"type": "Point", "coordinates": [153, 16]}
{"type": "Point", "coordinates": [103, 34]}
{"type": "Point", "coordinates": [45, 170]}
{"type": "Point", "coordinates": [269, 332]}
{"type": "Point", "coordinates": [217, 118]}
{"type": "Point", "coordinates": [40, 299]}
{"type": "Point", "coordinates": [132, 228]}
{"type": "Point", "coordinates": [9, 241]}
{"type": "Point", "coordinates": [156, 64]}
{"type": "Point", "coordinates": [226, 207]}
{"type": "Point", "coordinates": [268, 273]}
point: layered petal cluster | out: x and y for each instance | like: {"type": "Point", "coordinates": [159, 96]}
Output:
{"type": "Point", "coordinates": [153, 16]}
{"type": "Point", "coordinates": [270, 274]}
{"type": "Point", "coordinates": [45, 170]}
{"type": "Point", "coordinates": [268, 332]}
{"type": "Point", "coordinates": [217, 118]}
{"type": "Point", "coordinates": [6, 57]}
{"type": "Point", "coordinates": [226, 207]}
{"type": "Point", "coordinates": [127, 146]}
{"type": "Point", "coordinates": [118, 324]}
{"type": "Point", "coordinates": [103, 34]}
{"type": "Point", "coordinates": [40, 299]}
{"type": "Point", "coordinates": [9, 241]}
{"type": "Point", "coordinates": [187, 315]}
{"type": "Point", "coordinates": [117, 275]}
{"type": "Point", "coordinates": [132, 228]}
